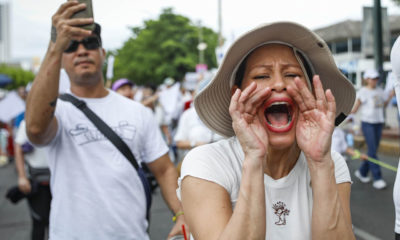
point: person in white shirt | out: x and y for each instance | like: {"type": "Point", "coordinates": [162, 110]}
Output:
{"type": "Point", "coordinates": [191, 131]}
{"type": "Point", "coordinates": [97, 193]}
{"type": "Point", "coordinates": [395, 59]}
{"type": "Point", "coordinates": [372, 101]}
{"type": "Point", "coordinates": [33, 180]}
{"type": "Point", "coordinates": [276, 97]}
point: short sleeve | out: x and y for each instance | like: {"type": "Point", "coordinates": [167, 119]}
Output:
{"type": "Point", "coordinates": [342, 173]}
{"type": "Point", "coordinates": [207, 163]}
{"type": "Point", "coordinates": [182, 131]}
{"type": "Point", "coordinates": [21, 136]}
{"type": "Point", "coordinates": [361, 95]}
{"type": "Point", "coordinates": [154, 145]}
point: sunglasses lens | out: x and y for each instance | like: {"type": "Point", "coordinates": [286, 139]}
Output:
{"type": "Point", "coordinates": [91, 43]}
{"type": "Point", "coordinates": [73, 45]}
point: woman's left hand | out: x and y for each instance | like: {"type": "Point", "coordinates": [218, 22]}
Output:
{"type": "Point", "coordinates": [316, 119]}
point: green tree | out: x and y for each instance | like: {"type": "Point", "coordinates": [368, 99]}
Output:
{"type": "Point", "coordinates": [19, 76]}
{"type": "Point", "coordinates": [397, 2]}
{"type": "Point", "coordinates": [165, 47]}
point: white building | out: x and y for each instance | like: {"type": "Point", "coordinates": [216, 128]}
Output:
{"type": "Point", "coordinates": [5, 43]}
{"type": "Point", "coordinates": [346, 43]}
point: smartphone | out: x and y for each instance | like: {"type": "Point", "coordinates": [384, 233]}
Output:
{"type": "Point", "coordinates": [85, 13]}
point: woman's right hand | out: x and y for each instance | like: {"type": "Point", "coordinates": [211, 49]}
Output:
{"type": "Point", "coordinates": [249, 129]}
{"type": "Point", "coordinates": [66, 27]}
{"type": "Point", "coordinates": [24, 185]}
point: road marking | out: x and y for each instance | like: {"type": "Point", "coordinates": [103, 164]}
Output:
{"type": "Point", "coordinates": [363, 234]}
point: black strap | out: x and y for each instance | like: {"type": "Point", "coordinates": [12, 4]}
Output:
{"type": "Point", "coordinates": [114, 138]}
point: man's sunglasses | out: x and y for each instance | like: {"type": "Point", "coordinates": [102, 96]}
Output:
{"type": "Point", "coordinates": [90, 43]}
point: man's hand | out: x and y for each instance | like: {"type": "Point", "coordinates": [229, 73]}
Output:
{"type": "Point", "coordinates": [177, 228]}
{"type": "Point", "coordinates": [24, 185]}
{"type": "Point", "coordinates": [66, 27]}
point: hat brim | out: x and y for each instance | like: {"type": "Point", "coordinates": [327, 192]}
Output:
{"type": "Point", "coordinates": [212, 103]}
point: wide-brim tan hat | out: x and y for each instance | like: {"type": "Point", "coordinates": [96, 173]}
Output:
{"type": "Point", "coordinates": [212, 103]}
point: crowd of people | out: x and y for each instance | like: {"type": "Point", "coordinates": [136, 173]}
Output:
{"type": "Point", "coordinates": [256, 145]}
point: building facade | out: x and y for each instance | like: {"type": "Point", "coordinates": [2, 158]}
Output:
{"type": "Point", "coordinates": [346, 43]}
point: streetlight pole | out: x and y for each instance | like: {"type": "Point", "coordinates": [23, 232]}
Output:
{"type": "Point", "coordinates": [201, 50]}
{"type": "Point", "coordinates": [377, 13]}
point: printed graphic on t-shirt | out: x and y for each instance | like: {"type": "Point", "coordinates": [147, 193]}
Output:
{"type": "Point", "coordinates": [281, 212]}
{"type": "Point", "coordinates": [83, 135]}
{"type": "Point", "coordinates": [378, 102]}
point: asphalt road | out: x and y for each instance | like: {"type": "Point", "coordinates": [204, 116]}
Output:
{"type": "Point", "coordinates": [372, 210]}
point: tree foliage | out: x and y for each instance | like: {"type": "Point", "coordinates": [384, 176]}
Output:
{"type": "Point", "coordinates": [165, 47]}
{"type": "Point", "coordinates": [397, 2]}
{"type": "Point", "coordinates": [19, 76]}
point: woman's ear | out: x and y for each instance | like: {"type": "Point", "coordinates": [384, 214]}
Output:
{"type": "Point", "coordinates": [233, 89]}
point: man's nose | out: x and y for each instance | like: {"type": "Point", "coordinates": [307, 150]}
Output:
{"type": "Point", "coordinates": [279, 83]}
{"type": "Point", "coordinates": [81, 51]}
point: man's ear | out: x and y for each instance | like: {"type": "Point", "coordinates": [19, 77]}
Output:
{"type": "Point", "coordinates": [233, 89]}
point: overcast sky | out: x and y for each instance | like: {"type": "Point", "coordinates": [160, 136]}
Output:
{"type": "Point", "coordinates": [30, 19]}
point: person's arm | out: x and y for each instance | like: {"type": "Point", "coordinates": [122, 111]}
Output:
{"type": "Point", "coordinates": [207, 205]}
{"type": "Point", "coordinates": [331, 212]}
{"type": "Point", "coordinates": [167, 178]}
{"type": "Point", "coordinates": [42, 98]}
{"type": "Point", "coordinates": [356, 106]}
{"type": "Point", "coordinates": [186, 144]}
{"type": "Point", "coordinates": [23, 182]}
{"type": "Point", "coordinates": [391, 95]}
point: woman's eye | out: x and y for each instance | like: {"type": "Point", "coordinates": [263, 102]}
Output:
{"type": "Point", "coordinates": [261, 77]}
{"type": "Point", "coordinates": [292, 75]}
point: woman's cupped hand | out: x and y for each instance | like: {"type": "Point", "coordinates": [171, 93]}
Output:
{"type": "Point", "coordinates": [246, 123]}
{"type": "Point", "coordinates": [316, 119]}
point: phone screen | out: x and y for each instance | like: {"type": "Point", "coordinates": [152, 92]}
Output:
{"type": "Point", "coordinates": [86, 13]}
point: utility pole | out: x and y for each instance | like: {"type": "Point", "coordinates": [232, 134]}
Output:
{"type": "Point", "coordinates": [377, 13]}
{"type": "Point", "coordinates": [200, 46]}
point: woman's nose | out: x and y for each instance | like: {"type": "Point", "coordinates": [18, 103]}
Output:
{"type": "Point", "coordinates": [279, 84]}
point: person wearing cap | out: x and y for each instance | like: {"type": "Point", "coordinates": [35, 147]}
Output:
{"type": "Point", "coordinates": [97, 193]}
{"type": "Point", "coordinates": [124, 87]}
{"type": "Point", "coordinates": [372, 101]}
{"type": "Point", "coordinates": [395, 60]}
{"type": "Point", "coordinates": [277, 97]}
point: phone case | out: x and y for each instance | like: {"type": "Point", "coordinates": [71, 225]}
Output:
{"type": "Point", "coordinates": [86, 13]}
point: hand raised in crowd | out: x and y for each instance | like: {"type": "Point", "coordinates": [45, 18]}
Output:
{"type": "Point", "coordinates": [248, 126]}
{"type": "Point", "coordinates": [316, 119]}
{"type": "Point", "coordinates": [66, 28]}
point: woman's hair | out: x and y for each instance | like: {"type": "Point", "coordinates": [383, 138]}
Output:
{"type": "Point", "coordinates": [242, 68]}
{"type": "Point", "coordinates": [240, 72]}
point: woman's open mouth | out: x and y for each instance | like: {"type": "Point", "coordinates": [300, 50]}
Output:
{"type": "Point", "coordinates": [279, 114]}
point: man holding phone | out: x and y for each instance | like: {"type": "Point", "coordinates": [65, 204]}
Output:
{"type": "Point", "coordinates": [97, 194]}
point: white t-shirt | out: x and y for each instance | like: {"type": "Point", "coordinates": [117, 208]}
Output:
{"type": "Point", "coordinates": [97, 193]}
{"type": "Point", "coordinates": [339, 143]}
{"type": "Point", "coordinates": [191, 128]}
{"type": "Point", "coordinates": [37, 158]}
{"type": "Point", "coordinates": [372, 104]}
{"type": "Point", "coordinates": [221, 162]}
{"type": "Point", "coordinates": [395, 59]}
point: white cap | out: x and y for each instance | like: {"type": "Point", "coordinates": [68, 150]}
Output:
{"type": "Point", "coordinates": [371, 73]}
